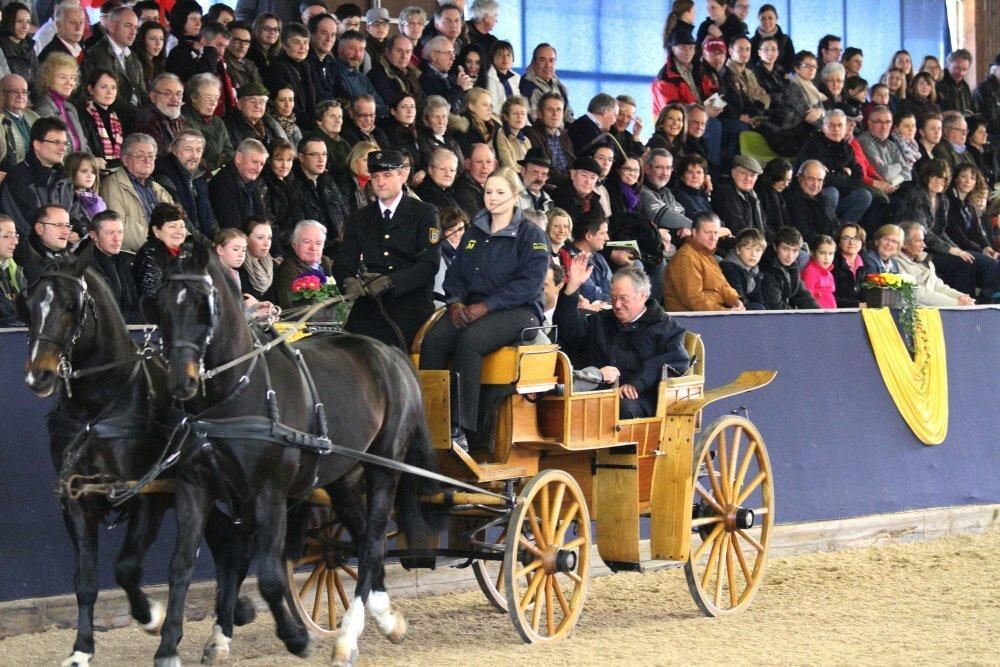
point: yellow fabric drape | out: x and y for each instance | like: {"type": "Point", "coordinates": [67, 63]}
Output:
{"type": "Point", "coordinates": [918, 385]}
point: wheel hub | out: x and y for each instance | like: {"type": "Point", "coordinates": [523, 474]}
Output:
{"type": "Point", "coordinates": [738, 518]}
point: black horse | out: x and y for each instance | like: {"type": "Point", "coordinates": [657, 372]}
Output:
{"type": "Point", "coordinates": [108, 427]}
{"type": "Point", "coordinates": [368, 400]}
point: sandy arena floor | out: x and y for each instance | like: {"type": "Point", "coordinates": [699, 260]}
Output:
{"type": "Point", "coordinates": [935, 602]}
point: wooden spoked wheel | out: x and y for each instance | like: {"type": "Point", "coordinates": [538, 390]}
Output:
{"type": "Point", "coordinates": [489, 574]}
{"type": "Point", "coordinates": [546, 566]}
{"type": "Point", "coordinates": [733, 516]}
{"type": "Point", "coordinates": [322, 597]}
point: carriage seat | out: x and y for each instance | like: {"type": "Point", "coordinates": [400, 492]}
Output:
{"type": "Point", "coordinates": [530, 367]}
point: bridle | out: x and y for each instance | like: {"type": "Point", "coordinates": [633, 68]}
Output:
{"type": "Point", "coordinates": [85, 304]}
{"type": "Point", "coordinates": [202, 284]}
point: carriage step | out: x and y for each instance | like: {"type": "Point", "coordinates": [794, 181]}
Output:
{"type": "Point", "coordinates": [657, 565]}
{"type": "Point", "coordinates": [493, 472]}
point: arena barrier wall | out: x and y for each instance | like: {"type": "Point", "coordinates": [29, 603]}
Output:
{"type": "Point", "coordinates": [838, 446]}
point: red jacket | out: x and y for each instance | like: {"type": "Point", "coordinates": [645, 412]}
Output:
{"type": "Point", "coordinates": [868, 173]}
{"type": "Point", "coordinates": [669, 86]}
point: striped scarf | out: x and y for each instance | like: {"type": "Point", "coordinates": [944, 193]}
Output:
{"type": "Point", "coordinates": [111, 145]}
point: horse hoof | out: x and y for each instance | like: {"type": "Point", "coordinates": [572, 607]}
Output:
{"type": "Point", "coordinates": [245, 612]}
{"type": "Point", "coordinates": [398, 632]}
{"type": "Point", "coordinates": [172, 661]}
{"type": "Point", "coordinates": [306, 650]}
{"type": "Point", "coordinates": [157, 614]}
{"type": "Point", "coordinates": [344, 658]}
{"type": "Point", "coordinates": [78, 659]}
{"type": "Point", "coordinates": [216, 651]}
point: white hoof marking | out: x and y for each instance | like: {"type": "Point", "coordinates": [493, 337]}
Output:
{"type": "Point", "coordinates": [157, 614]}
{"type": "Point", "coordinates": [216, 651]}
{"type": "Point", "coordinates": [78, 659]}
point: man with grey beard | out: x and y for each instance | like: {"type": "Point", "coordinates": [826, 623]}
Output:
{"type": "Point", "coordinates": [161, 118]}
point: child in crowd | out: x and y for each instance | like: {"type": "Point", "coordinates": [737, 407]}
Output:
{"type": "Point", "coordinates": [82, 170]}
{"type": "Point", "coordinates": [878, 96]}
{"type": "Point", "coordinates": [818, 274]}
{"type": "Point", "coordinates": [855, 97]}
{"type": "Point", "coordinates": [231, 246]}
{"type": "Point", "coordinates": [741, 267]}
{"type": "Point", "coordinates": [781, 283]}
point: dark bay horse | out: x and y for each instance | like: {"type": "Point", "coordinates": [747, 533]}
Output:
{"type": "Point", "coordinates": [369, 397]}
{"type": "Point", "coordinates": [109, 425]}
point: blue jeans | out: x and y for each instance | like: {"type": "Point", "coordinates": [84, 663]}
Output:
{"type": "Point", "coordinates": [848, 208]}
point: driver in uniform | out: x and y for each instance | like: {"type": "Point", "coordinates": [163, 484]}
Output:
{"type": "Point", "coordinates": [389, 257]}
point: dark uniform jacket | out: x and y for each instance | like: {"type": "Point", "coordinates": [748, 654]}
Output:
{"type": "Point", "coordinates": [234, 200]}
{"type": "Point", "coordinates": [324, 202]}
{"type": "Point", "coordinates": [404, 248]}
{"type": "Point", "coordinates": [131, 80]}
{"type": "Point", "coordinates": [639, 350]}
{"type": "Point", "coordinates": [504, 270]}
{"type": "Point", "coordinates": [782, 286]}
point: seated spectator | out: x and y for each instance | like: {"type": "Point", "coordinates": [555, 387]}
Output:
{"type": "Point", "coordinates": [161, 118]}
{"type": "Point", "coordinates": [604, 156]}
{"type": "Point", "coordinates": [453, 223]}
{"type": "Point", "coordinates": [470, 60]}
{"type": "Point", "coordinates": [17, 121]}
{"type": "Point", "coordinates": [257, 271]}
{"type": "Point", "coordinates": [360, 124]}
{"type": "Point", "coordinates": [501, 79]}
{"type": "Point", "coordinates": [265, 43]}
{"type": "Point", "coordinates": [150, 51]}
{"type": "Point", "coordinates": [251, 120]}
{"type": "Point", "coordinates": [320, 198]}
{"type": "Point", "coordinates": [104, 254]}
{"type": "Point", "coordinates": [927, 204]}
{"type": "Point", "coordinates": [693, 280]}
{"type": "Point", "coordinates": [351, 83]}
{"type": "Point", "coordinates": [769, 30]}
{"type": "Point", "coordinates": [697, 144]}
{"type": "Point", "coordinates": [986, 98]}
{"type": "Point", "coordinates": [984, 154]}
{"type": "Point", "coordinates": [591, 129]}
{"type": "Point", "coordinates": [802, 107]}
{"type": "Point", "coordinates": [57, 79]}
{"type": "Point", "coordinates": [377, 30]}
{"type": "Point", "coordinates": [242, 70]}
{"type": "Point", "coordinates": [17, 45]}
{"type": "Point", "coordinates": [49, 238]}
{"type": "Point", "coordinates": [849, 269]}
{"type": "Point", "coordinates": [559, 229]}
{"type": "Point", "coordinates": [670, 131]}
{"type": "Point", "coordinates": [722, 21]}
{"type": "Point", "coordinates": [904, 135]}
{"type": "Point", "coordinates": [355, 181]}
{"type": "Point", "coordinates": [673, 83]}
{"type": "Point", "coordinates": [494, 292]}
{"type": "Point", "coordinates": [512, 141]}
{"type": "Point", "coordinates": [181, 175]}
{"type": "Point", "coordinates": [167, 231]}
{"type": "Point", "coordinates": [692, 191]}
{"type": "Point", "coordinates": [205, 55]}
{"type": "Point", "coordinates": [590, 233]}
{"type": "Point", "coordinates": [439, 55]}
{"type": "Point", "coordinates": [11, 275]}
{"type": "Point", "coordinates": [433, 132]}
{"type": "Point", "coordinates": [282, 109]}
{"type": "Point", "coordinates": [476, 124]}
{"type": "Point", "coordinates": [437, 187]}
{"type": "Point", "coordinates": [321, 62]}
{"type": "Point", "coordinates": [231, 247]}
{"type": "Point", "coordinates": [400, 130]}
{"type": "Point", "coordinates": [932, 66]}
{"type": "Point", "coordinates": [769, 72]}
{"type": "Point", "coordinates": [930, 132]}
{"type": "Point", "coordinates": [534, 168]}
{"type": "Point", "coordinates": [69, 23]}
{"type": "Point", "coordinates": [807, 210]}
{"type": "Point", "coordinates": [471, 183]}
{"type": "Point", "coordinates": [100, 122]}
{"type": "Point", "coordinates": [921, 98]}
{"type": "Point", "coordinates": [290, 67]}
{"type": "Point", "coordinates": [952, 90]}
{"type": "Point", "coordinates": [281, 193]}
{"type": "Point", "coordinates": [842, 190]}
{"type": "Point", "coordinates": [782, 286]}
{"type": "Point", "coordinates": [330, 121]}
{"type": "Point", "coordinates": [882, 152]}
{"type": "Point", "coordinates": [771, 188]}
{"type": "Point", "coordinates": [964, 219]}
{"type": "Point", "coordinates": [109, 52]}
{"type": "Point", "coordinates": [546, 133]}
{"type": "Point", "coordinates": [237, 191]}
{"type": "Point", "coordinates": [83, 172]}
{"type": "Point", "coordinates": [577, 197]}
{"type": "Point", "coordinates": [930, 290]}
{"type": "Point", "coordinates": [132, 192]}
{"type": "Point", "coordinates": [955, 130]}
{"type": "Point", "coordinates": [40, 178]}
{"type": "Point", "coordinates": [220, 13]}
{"type": "Point", "coordinates": [185, 19]}
{"type": "Point", "coordinates": [657, 167]}
{"type": "Point", "coordinates": [746, 100]}
{"type": "Point", "coordinates": [203, 92]}
{"type": "Point", "coordinates": [482, 20]}
{"type": "Point", "coordinates": [627, 126]}
{"type": "Point", "coordinates": [392, 73]}
{"type": "Point", "coordinates": [631, 343]}
{"type": "Point", "coordinates": [735, 200]}
{"type": "Point", "coordinates": [885, 243]}
{"type": "Point", "coordinates": [540, 80]}
{"type": "Point", "coordinates": [308, 239]}
{"type": "Point", "coordinates": [741, 267]}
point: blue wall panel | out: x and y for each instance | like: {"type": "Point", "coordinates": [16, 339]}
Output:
{"type": "Point", "coordinates": [873, 26]}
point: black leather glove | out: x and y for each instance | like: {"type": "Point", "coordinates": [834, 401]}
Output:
{"type": "Point", "coordinates": [353, 288]}
{"type": "Point", "coordinates": [376, 284]}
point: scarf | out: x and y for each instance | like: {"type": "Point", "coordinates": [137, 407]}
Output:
{"type": "Point", "coordinates": [362, 180]}
{"type": "Point", "coordinates": [60, 102]}
{"type": "Point", "coordinates": [812, 93]}
{"type": "Point", "coordinates": [287, 123]}
{"type": "Point", "coordinates": [91, 202]}
{"type": "Point", "coordinates": [111, 142]}
{"type": "Point", "coordinates": [505, 82]}
{"type": "Point", "coordinates": [909, 148]}
{"type": "Point", "coordinates": [260, 272]}
{"type": "Point", "coordinates": [630, 196]}
{"type": "Point", "coordinates": [762, 33]}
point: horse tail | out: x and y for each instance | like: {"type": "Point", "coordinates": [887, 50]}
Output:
{"type": "Point", "coordinates": [420, 522]}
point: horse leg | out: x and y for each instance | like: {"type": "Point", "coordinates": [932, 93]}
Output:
{"type": "Point", "coordinates": [231, 553]}
{"type": "Point", "coordinates": [390, 623]}
{"type": "Point", "coordinates": [82, 523]}
{"type": "Point", "coordinates": [271, 576]}
{"type": "Point", "coordinates": [192, 502]}
{"type": "Point", "coordinates": [146, 514]}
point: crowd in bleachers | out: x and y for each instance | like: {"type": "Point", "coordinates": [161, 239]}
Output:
{"type": "Point", "coordinates": [772, 177]}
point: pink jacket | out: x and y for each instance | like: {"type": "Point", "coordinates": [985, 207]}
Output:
{"type": "Point", "coordinates": [819, 282]}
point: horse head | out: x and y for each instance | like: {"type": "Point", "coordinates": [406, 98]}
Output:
{"type": "Point", "coordinates": [186, 309]}
{"type": "Point", "coordinates": [58, 308]}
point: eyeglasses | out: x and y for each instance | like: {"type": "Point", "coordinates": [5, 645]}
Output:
{"type": "Point", "coordinates": [19, 93]}
{"type": "Point", "coordinates": [850, 239]}
{"type": "Point", "coordinates": [236, 41]}
{"type": "Point", "coordinates": [623, 300]}
{"type": "Point", "coordinates": [270, 28]}
{"type": "Point", "coordinates": [364, 115]}
{"type": "Point", "coordinates": [56, 142]}
{"type": "Point", "coordinates": [446, 53]}
{"type": "Point", "coordinates": [58, 225]}
{"type": "Point", "coordinates": [630, 170]}
{"type": "Point", "coordinates": [178, 94]}
{"type": "Point", "coordinates": [809, 66]}
{"type": "Point", "coordinates": [10, 235]}
{"type": "Point", "coordinates": [145, 157]}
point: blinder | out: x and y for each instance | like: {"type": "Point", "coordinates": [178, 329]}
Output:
{"type": "Point", "coordinates": [201, 283]}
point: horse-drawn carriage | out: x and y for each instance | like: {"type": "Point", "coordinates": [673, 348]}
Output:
{"type": "Point", "coordinates": [260, 427]}
{"type": "Point", "coordinates": [561, 458]}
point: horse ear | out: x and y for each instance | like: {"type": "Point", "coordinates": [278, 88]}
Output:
{"type": "Point", "coordinates": [21, 306]}
{"type": "Point", "coordinates": [150, 311]}
{"type": "Point", "coordinates": [201, 254]}
{"type": "Point", "coordinates": [161, 256]}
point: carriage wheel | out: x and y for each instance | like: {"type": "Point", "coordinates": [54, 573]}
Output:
{"type": "Point", "coordinates": [319, 600]}
{"type": "Point", "coordinates": [489, 574]}
{"type": "Point", "coordinates": [733, 516]}
{"type": "Point", "coordinates": [546, 566]}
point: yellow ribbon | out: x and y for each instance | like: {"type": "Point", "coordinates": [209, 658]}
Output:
{"type": "Point", "coordinates": [919, 384]}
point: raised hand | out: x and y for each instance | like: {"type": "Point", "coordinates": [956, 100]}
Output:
{"type": "Point", "coordinates": [579, 272]}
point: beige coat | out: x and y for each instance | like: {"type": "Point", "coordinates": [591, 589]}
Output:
{"type": "Point", "coordinates": [694, 281]}
{"type": "Point", "coordinates": [930, 289]}
{"type": "Point", "coordinates": [120, 196]}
